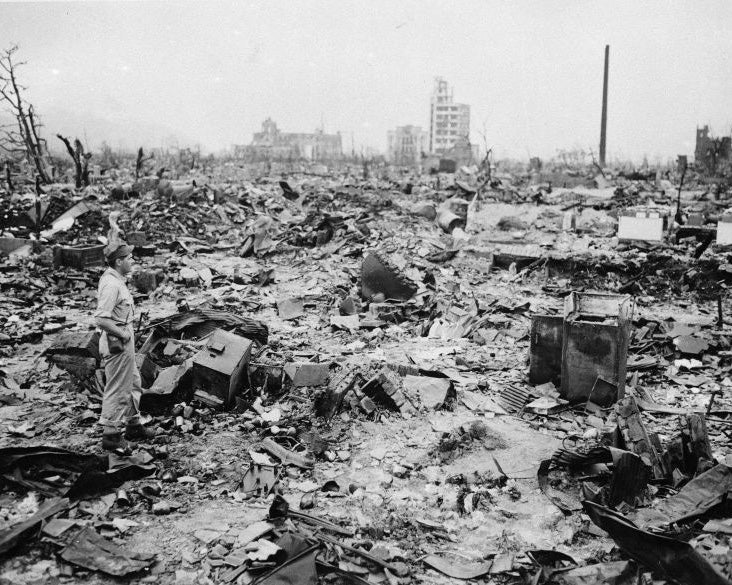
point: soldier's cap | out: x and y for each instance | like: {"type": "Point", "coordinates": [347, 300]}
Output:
{"type": "Point", "coordinates": [117, 250]}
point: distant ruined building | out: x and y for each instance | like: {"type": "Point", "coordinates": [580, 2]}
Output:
{"type": "Point", "coordinates": [273, 144]}
{"type": "Point", "coordinates": [406, 145]}
{"type": "Point", "coordinates": [712, 154]}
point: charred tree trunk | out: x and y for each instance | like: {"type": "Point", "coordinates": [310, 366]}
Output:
{"type": "Point", "coordinates": [37, 140]}
{"type": "Point", "coordinates": [8, 178]}
{"type": "Point", "coordinates": [72, 154]}
{"type": "Point", "coordinates": [140, 163]}
{"type": "Point", "coordinates": [81, 161]}
{"type": "Point", "coordinates": [39, 192]}
{"type": "Point", "coordinates": [83, 158]}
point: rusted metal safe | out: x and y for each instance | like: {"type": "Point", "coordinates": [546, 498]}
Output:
{"type": "Point", "coordinates": [220, 370]}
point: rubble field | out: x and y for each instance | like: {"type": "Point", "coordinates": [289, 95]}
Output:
{"type": "Point", "coordinates": [357, 380]}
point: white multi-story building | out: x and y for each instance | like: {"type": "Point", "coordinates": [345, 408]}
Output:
{"type": "Point", "coordinates": [449, 122]}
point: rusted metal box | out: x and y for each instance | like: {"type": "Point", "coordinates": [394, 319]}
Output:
{"type": "Point", "coordinates": [220, 370]}
{"type": "Point", "coordinates": [78, 256]}
{"type": "Point", "coordinates": [595, 341]}
{"type": "Point", "coordinates": [136, 238]}
{"type": "Point", "coordinates": [545, 358]}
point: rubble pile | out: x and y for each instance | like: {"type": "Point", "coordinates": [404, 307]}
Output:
{"type": "Point", "coordinates": [372, 381]}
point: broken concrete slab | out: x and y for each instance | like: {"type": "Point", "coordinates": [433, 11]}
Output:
{"type": "Point", "coordinates": [168, 379]}
{"type": "Point", "coordinates": [427, 391]}
{"type": "Point", "coordinates": [84, 343]}
{"type": "Point", "coordinates": [253, 532]}
{"type": "Point", "coordinates": [90, 550]}
{"type": "Point", "coordinates": [307, 373]}
{"type": "Point", "coordinates": [76, 352]}
{"type": "Point", "coordinates": [691, 344]}
{"type": "Point", "coordinates": [290, 308]}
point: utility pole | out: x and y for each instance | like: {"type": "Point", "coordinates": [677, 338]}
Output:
{"type": "Point", "coordinates": [603, 124]}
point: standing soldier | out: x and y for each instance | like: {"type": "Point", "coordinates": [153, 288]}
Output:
{"type": "Point", "coordinates": [115, 311]}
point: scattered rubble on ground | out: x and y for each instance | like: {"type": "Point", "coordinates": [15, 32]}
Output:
{"type": "Point", "coordinates": [491, 381]}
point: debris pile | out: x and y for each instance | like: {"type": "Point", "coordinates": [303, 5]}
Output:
{"type": "Point", "coordinates": [359, 380]}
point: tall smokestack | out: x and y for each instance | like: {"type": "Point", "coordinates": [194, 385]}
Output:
{"type": "Point", "coordinates": [603, 127]}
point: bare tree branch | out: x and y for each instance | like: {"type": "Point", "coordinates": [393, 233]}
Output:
{"type": "Point", "coordinates": [27, 135]}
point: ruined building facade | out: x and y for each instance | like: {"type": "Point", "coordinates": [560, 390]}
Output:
{"type": "Point", "coordinates": [273, 144]}
{"type": "Point", "coordinates": [712, 153]}
{"type": "Point", "coordinates": [449, 121]}
{"type": "Point", "coordinates": [406, 145]}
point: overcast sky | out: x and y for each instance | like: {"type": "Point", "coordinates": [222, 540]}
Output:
{"type": "Point", "coordinates": [210, 72]}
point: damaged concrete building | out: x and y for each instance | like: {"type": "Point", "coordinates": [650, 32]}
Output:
{"type": "Point", "coordinates": [712, 153]}
{"type": "Point", "coordinates": [406, 145]}
{"type": "Point", "coordinates": [273, 144]}
{"type": "Point", "coordinates": [449, 134]}
{"type": "Point", "coordinates": [449, 121]}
